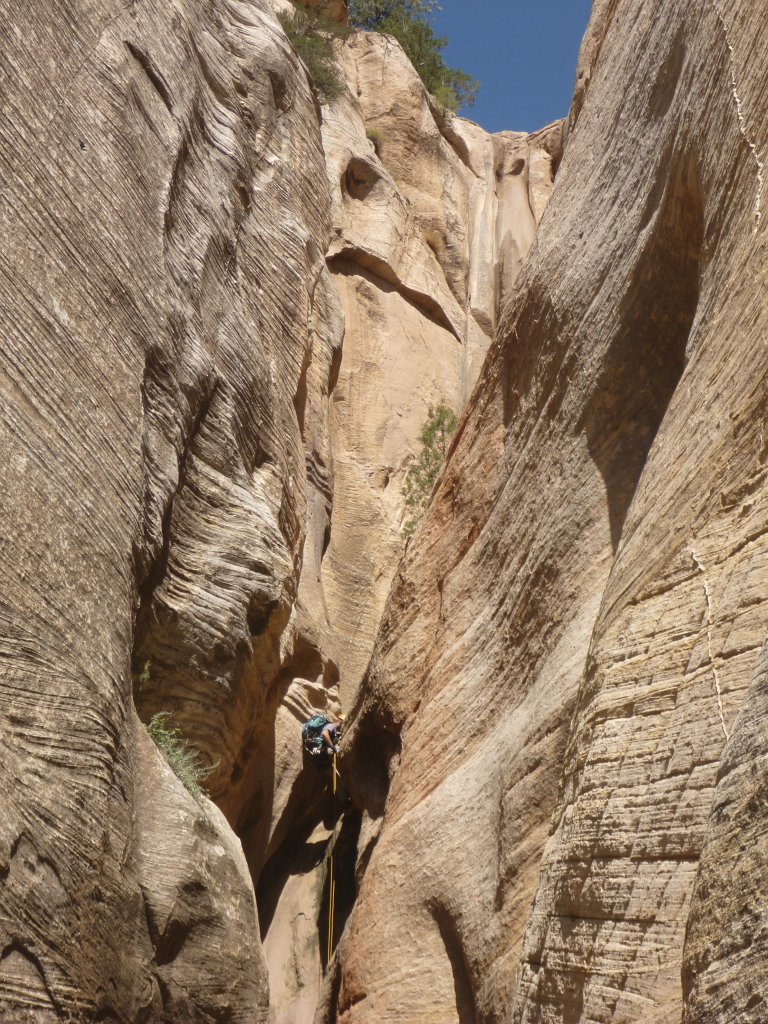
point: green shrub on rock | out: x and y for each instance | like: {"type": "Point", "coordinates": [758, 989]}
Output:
{"type": "Point", "coordinates": [311, 35]}
{"type": "Point", "coordinates": [182, 759]}
{"type": "Point", "coordinates": [422, 474]}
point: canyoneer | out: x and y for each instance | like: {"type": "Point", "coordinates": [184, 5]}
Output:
{"type": "Point", "coordinates": [320, 737]}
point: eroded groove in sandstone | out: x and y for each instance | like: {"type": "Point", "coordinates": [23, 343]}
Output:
{"type": "Point", "coordinates": [349, 258]}
{"type": "Point", "coordinates": [191, 440]}
{"type": "Point", "coordinates": [462, 984]}
{"type": "Point", "coordinates": [647, 354]}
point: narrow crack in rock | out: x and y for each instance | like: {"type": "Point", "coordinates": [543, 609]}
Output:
{"type": "Point", "coordinates": [742, 120]}
{"type": "Point", "coordinates": [715, 676]}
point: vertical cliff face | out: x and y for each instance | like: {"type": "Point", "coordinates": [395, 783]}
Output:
{"type": "Point", "coordinates": [201, 404]}
{"type": "Point", "coordinates": [166, 217]}
{"type": "Point", "coordinates": [432, 217]}
{"type": "Point", "coordinates": [550, 833]}
{"type": "Point", "coordinates": [134, 139]}
{"type": "Point", "coordinates": [225, 312]}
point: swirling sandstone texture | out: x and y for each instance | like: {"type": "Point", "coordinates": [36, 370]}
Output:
{"type": "Point", "coordinates": [147, 452]}
{"type": "Point", "coordinates": [560, 741]}
{"type": "Point", "coordinates": [191, 440]}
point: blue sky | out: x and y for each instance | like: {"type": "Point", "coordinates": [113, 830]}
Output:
{"type": "Point", "coordinates": [523, 53]}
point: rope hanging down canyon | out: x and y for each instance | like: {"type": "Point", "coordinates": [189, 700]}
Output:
{"type": "Point", "coordinates": [331, 879]}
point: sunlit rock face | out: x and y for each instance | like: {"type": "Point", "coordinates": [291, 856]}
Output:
{"type": "Point", "coordinates": [166, 303]}
{"type": "Point", "coordinates": [197, 363]}
{"type": "Point", "coordinates": [432, 218]}
{"type": "Point", "coordinates": [559, 742]}
{"type": "Point", "coordinates": [417, 322]}
{"type": "Point", "coordinates": [225, 313]}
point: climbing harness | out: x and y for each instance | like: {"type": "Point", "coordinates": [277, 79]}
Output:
{"type": "Point", "coordinates": [331, 879]}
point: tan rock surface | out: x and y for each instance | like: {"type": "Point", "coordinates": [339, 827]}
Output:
{"type": "Point", "coordinates": [725, 973]}
{"type": "Point", "coordinates": [572, 634]}
{"type": "Point", "coordinates": [432, 217]}
{"type": "Point", "coordinates": [406, 346]}
{"type": "Point", "coordinates": [205, 429]}
{"type": "Point", "coordinates": [467, 191]}
{"type": "Point", "coordinates": [198, 900]}
{"type": "Point", "coordinates": [164, 313]}
{"type": "Point", "coordinates": [172, 345]}
{"type": "Point", "coordinates": [292, 943]}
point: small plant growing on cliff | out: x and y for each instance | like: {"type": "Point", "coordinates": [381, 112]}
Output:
{"type": "Point", "coordinates": [408, 22]}
{"type": "Point", "coordinates": [376, 139]}
{"type": "Point", "coordinates": [182, 759]}
{"type": "Point", "coordinates": [420, 479]}
{"type": "Point", "coordinates": [311, 34]}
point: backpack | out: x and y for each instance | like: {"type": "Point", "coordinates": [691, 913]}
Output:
{"type": "Point", "coordinates": [311, 731]}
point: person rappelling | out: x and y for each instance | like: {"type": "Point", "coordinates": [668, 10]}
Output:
{"type": "Point", "coordinates": [320, 736]}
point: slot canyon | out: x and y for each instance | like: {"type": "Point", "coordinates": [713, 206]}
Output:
{"type": "Point", "coordinates": [228, 306]}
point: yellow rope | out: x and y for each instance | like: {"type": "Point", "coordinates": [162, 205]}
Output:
{"type": "Point", "coordinates": [331, 879]}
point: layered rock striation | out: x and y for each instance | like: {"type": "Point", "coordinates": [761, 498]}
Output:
{"type": "Point", "coordinates": [225, 312]}
{"type": "Point", "coordinates": [561, 778]}
{"type": "Point", "coordinates": [201, 403]}
{"type": "Point", "coordinates": [148, 457]}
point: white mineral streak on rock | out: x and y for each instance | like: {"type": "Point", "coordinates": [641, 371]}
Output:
{"type": "Point", "coordinates": [743, 128]}
{"type": "Point", "coordinates": [709, 623]}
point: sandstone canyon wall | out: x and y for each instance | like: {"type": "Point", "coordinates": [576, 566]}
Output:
{"type": "Point", "coordinates": [432, 217]}
{"type": "Point", "coordinates": [419, 315]}
{"type": "Point", "coordinates": [559, 743]}
{"type": "Point", "coordinates": [225, 310]}
{"type": "Point", "coordinates": [211, 287]}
